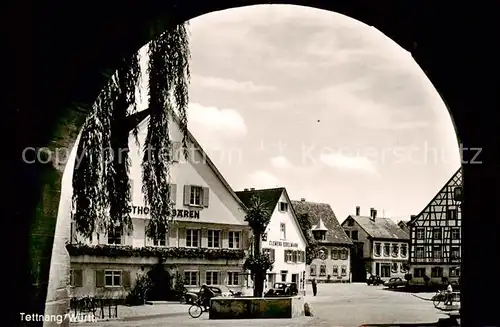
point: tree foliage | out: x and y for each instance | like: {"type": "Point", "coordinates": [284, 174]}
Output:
{"type": "Point", "coordinates": [101, 186]}
{"type": "Point", "coordinates": [312, 244]}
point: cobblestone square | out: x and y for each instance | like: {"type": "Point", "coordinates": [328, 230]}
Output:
{"type": "Point", "coordinates": [346, 305]}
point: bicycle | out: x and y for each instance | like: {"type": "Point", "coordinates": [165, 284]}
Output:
{"type": "Point", "coordinates": [196, 309]}
{"type": "Point", "coordinates": [441, 296]}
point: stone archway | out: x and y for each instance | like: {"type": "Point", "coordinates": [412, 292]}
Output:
{"type": "Point", "coordinates": [448, 53]}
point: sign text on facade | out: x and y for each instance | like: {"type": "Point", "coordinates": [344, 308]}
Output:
{"type": "Point", "coordinates": [176, 213]}
{"type": "Point", "coordinates": [284, 244]}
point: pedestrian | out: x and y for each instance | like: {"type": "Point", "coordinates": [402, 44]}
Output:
{"type": "Point", "coordinates": [314, 286]}
{"type": "Point", "coordinates": [449, 294]}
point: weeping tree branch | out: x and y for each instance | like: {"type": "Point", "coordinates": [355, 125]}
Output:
{"type": "Point", "coordinates": [101, 186]}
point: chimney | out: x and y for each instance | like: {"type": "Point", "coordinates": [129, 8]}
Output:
{"type": "Point", "coordinates": [303, 200]}
{"type": "Point", "coordinates": [245, 189]}
{"type": "Point", "coordinates": [372, 213]}
{"type": "Point", "coordinates": [412, 217]}
{"type": "Point", "coordinates": [252, 189]}
{"type": "Point", "coordinates": [358, 209]}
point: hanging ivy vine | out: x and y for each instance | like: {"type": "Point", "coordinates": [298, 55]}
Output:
{"type": "Point", "coordinates": [101, 186]}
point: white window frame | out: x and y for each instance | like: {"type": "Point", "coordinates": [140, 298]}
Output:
{"type": "Point", "coordinates": [335, 270]}
{"type": "Point", "coordinates": [283, 206]}
{"type": "Point", "coordinates": [455, 231]}
{"type": "Point", "coordinates": [439, 250]}
{"type": "Point", "coordinates": [321, 273]}
{"type": "Point", "coordinates": [230, 278]}
{"type": "Point", "coordinates": [198, 233]}
{"type": "Point", "coordinates": [197, 274]}
{"type": "Point", "coordinates": [152, 241]}
{"type": "Point", "coordinates": [283, 231]}
{"type": "Point", "coordinates": [313, 270]}
{"type": "Point", "coordinates": [379, 253]}
{"type": "Point", "coordinates": [405, 252]}
{"type": "Point", "coordinates": [232, 234]}
{"type": "Point", "coordinates": [192, 196]}
{"type": "Point", "coordinates": [121, 235]}
{"type": "Point", "coordinates": [417, 252]}
{"type": "Point", "coordinates": [219, 239]}
{"type": "Point", "coordinates": [452, 248]}
{"type": "Point", "coordinates": [343, 270]}
{"type": "Point", "coordinates": [113, 272]}
{"type": "Point", "coordinates": [437, 231]}
{"type": "Point", "coordinates": [213, 273]}
{"type": "Point", "coordinates": [420, 233]}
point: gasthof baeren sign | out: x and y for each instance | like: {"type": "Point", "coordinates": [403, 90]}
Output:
{"type": "Point", "coordinates": [175, 213]}
{"type": "Point", "coordinates": [284, 244]}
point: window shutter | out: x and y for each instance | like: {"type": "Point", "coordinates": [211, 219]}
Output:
{"type": "Point", "coordinates": [286, 255]}
{"type": "Point", "coordinates": [126, 278]}
{"type": "Point", "coordinates": [99, 278]}
{"type": "Point", "coordinates": [77, 278]}
{"type": "Point", "coordinates": [187, 194]}
{"type": "Point", "coordinates": [206, 196]}
{"type": "Point", "coordinates": [176, 151]}
{"type": "Point", "coordinates": [204, 238]}
{"type": "Point", "coordinates": [182, 237]}
{"type": "Point", "coordinates": [273, 255]}
{"type": "Point", "coordinates": [202, 277]}
{"type": "Point", "coordinates": [173, 193]}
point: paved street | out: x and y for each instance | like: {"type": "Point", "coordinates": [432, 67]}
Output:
{"type": "Point", "coordinates": [336, 305]}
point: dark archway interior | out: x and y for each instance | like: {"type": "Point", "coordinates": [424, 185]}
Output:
{"type": "Point", "coordinates": [61, 50]}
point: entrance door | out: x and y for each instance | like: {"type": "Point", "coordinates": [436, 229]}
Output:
{"type": "Point", "coordinates": [386, 270]}
{"type": "Point", "coordinates": [283, 275]}
{"type": "Point", "coordinates": [295, 279]}
{"type": "Point", "coordinates": [377, 269]}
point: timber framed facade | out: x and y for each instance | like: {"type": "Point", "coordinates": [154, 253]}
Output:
{"type": "Point", "coordinates": [435, 236]}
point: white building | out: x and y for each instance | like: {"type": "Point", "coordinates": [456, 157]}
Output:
{"type": "Point", "coordinates": [283, 238]}
{"type": "Point", "coordinates": [207, 243]}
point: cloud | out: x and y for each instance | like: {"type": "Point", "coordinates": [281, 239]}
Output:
{"type": "Point", "coordinates": [229, 84]}
{"type": "Point", "coordinates": [281, 162]}
{"type": "Point", "coordinates": [225, 122]}
{"type": "Point", "coordinates": [349, 163]}
{"type": "Point", "coordinates": [263, 179]}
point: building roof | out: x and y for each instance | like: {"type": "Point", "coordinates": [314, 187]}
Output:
{"type": "Point", "coordinates": [323, 213]}
{"type": "Point", "coordinates": [269, 197]}
{"type": "Point", "coordinates": [456, 179]}
{"type": "Point", "coordinates": [320, 227]}
{"type": "Point", "coordinates": [141, 117]}
{"type": "Point", "coordinates": [383, 228]}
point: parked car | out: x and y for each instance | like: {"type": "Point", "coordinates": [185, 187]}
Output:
{"type": "Point", "coordinates": [395, 282]}
{"type": "Point", "coordinates": [191, 297]}
{"type": "Point", "coordinates": [374, 280]}
{"type": "Point", "coordinates": [282, 289]}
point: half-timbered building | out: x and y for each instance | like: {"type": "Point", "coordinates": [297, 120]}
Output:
{"type": "Point", "coordinates": [334, 247]}
{"type": "Point", "coordinates": [435, 247]}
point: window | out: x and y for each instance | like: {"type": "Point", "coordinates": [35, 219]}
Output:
{"type": "Point", "coordinates": [354, 235]}
{"type": "Point", "coordinates": [234, 240]}
{"type": "Point", "coordinates": [395, 250]}
{"type": "Point", "coordinates": [387, 249]}
{"type": "Point", "coordinates": [404, 250]}
{"type": "Point", "coordinates": [233, 278]}
{"type": "Point", "coordinates": [196, 196]}
{"type": "Point", "coordinates": [335, 270]}
{"type": "Point", "coordinates": [283, 231]}
{"type": "Point", "coordinates": [436, 272]}
{"type": "Point", "coordinates": [192, 237]}
{"type": "Point", "coordinates": [270, 253]}
{"type": "Point", "coordinates": [212, 278]}
{"type": "Point", "coordinates": [395, 267]}
{"type": "Point", "coordinates": [419, 272]}
{"type": "Point", "coordinates": [115, 235]}
{"type": "Point", "coordinates": [283, 206]}
{"type": "Point", "coordinates": [344, 270]}
{"type": "Point", "coordinates": [420, 234]}
{"type": "Point", "coordinates": [191, 278]}
{"type": "Point", "coordinates": [419, 252]}
{"type": "Point", "coordinates": [344, 254]}
{"type": "Point", "coordinates": [402, 268]}
{"type": "Point", "coordinates": [335, 254]}
{"type": "Point", "coordinates": [283, 274]}
{"type": "Point", "coordinates": [437, 233]}
{"type": "Point", "coordinates": [437, 252]}
{"type": "Point", "coordinates": [322, 270]}
{"type": "Point", "coordinates": [312, 270]}
{"type": "Point", "coordinates": [214, 238]}
{"type": "Point", "coordinates": [455, 233]}
{"type": "Point", "coordinates": [377, 249]}
{"type": "Point", "coordinates": [288, 255]}
{"type": "Point", "coordinates": [451, 214]}
{"type": "Point", "coordinates": [454, 272]}
{"type": "Point", "coordinates": [455, 252]}
{"type": "Point", "coordinates": [161, 238]}
{"type": "Point", "coordinates": [348, 233]}
{"type": "Point", "coordinates": [112, 278]}
{"type": "Point", "coordinates": [295, 278]}
{"type": "Point", "coordinates": [76, 277]}
{"type": "Point", "coordinates": [350, 222]}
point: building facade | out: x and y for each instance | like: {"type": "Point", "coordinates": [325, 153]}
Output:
{"type": "Point", "coordinates": [334, 247]}
{"type": "Point", "coordinates": [381, 246]}
{"type": "Point", "coordinates": [206, 243]}
{"type": "Point", "coordinates": [435, 248]}
{"type": "Point", "coordinates": [283, 239]}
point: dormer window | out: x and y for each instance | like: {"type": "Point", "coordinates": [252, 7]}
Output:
{"type": "Point", "coordinates": [320, 235]}
{"type": "Point", "coordinates": [283, 206]}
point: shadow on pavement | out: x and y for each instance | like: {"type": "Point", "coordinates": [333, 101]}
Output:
{"type": "Point", "coordinates": [450, 322]}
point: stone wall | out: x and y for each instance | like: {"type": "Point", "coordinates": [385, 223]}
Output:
{"type": "Point", "coordinates": [256, 308]}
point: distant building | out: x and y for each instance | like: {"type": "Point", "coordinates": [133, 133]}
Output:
{"type": "Point", "coordinates": [283, 239]}
{"type": "Point", "coordinates": [381, 246]}
{"type": "Point", "coordinates": [333, 262]}
{"type": "Point", "coordinates": [206, 243]}
{"type": "Point", "coordinates": [435, 248]}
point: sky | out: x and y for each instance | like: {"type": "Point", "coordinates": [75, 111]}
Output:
{"type": "Point", "coordinates": [321, 104]}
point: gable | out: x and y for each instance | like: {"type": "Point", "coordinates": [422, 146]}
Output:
{"type": "Point", "coordinates": [198, 171]}
{"type": "Point", "coordinates": [443, 200]}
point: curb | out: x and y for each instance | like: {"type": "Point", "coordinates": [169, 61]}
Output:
{"type": "Point", "coordinates": [152, 316]}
